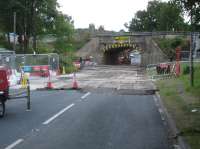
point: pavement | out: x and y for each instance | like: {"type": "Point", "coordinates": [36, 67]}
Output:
{"type": "Point", "coordinates": [87, 120]}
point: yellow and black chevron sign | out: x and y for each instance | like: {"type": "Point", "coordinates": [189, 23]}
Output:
{"type": "Point", "coordinates": [119, 45]}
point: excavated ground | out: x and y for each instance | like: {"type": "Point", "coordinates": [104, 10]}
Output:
{"type": "Point", "coordinates": [121, 79]}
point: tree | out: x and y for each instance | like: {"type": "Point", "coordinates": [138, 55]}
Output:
{"type": "Point", "coordinates": [171, 18]}
{"type": "Point", "coordinates": [192, 7]}
{"type": "Point", "coordinates": [159, 16]}
{"type": "Point", "coordinates": [34, 17]}
{"type": "Point", "coordinates": [139, 22]}
{"type": "Point", "coordinates": [63, 31]}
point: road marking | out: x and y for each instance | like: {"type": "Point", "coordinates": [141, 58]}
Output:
{"type": "Point", "coordinates": [159, 108]}
{"type": "Point", "coordinates": [84, 96]}
{"type": "Point", "coordinates": [161, 114]}
{"type": "Point", "coordinates": [155, 98]}
{"type": "Point", "coordinates": [58, 114]}
{"type": "Point", "coordinates": [15, 144]}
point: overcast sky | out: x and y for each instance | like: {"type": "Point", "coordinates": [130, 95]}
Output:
{"type": "Point", "coordinates": [112, 14]}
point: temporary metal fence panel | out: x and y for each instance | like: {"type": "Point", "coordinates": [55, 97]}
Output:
{"type": "Point", "coordinates": [7, 60]}
{"type": "Point", "coordinates": [185, 55]}
{"type": "Point", "coordinates": [164, 70]}
{"type": "Point", "coordinates": [52, 60]}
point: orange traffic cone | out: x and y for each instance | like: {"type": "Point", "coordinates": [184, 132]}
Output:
{"type": "Point", "coordinates": [49, 83]}
{"type": "Point", "coordinates": [74, 83]}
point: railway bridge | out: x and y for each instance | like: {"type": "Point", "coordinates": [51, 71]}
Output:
{"type": "Point", "coordinates": [136, 48]}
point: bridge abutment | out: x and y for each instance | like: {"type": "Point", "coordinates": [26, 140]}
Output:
{"type": "Point", "coordinates": [107, 49]}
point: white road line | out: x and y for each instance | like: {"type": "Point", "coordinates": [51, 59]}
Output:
{"type": "Point", "coordinates": [15, 144]}
{"type": "Point", "coordinates": [155, 98]}
{"type": "Point", "coordinates": [58, 114]}
{"type": "Point", "coordinates": [159, 108]}
{"type": "Point", "coordinates": [161, 114]}
{"type": "Point", "coordinates": [84, 96]}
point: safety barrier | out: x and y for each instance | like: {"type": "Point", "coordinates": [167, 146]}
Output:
{"type": "Point", "coordinates": [23, 94]}
{"type": "Point", "coordinates": [162, 70]}
{"type": "Point", "coordinates": [37, 70]}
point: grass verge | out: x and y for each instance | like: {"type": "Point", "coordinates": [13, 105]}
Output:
{"type": "Point", "coordinates": [183, 103]}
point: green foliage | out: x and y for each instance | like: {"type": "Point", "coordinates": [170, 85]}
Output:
{"type": "Point", "coordinates": [63, 31]}
{"type": "Point", "coordinates": [62, 45]}
{"type": "Point", "coordinates": [192, 7]}
{"type": "Point", "coordinates": [44, 48]}
{"type": "Point", "coordinates": [179, 99]}
{"type": "Point", "coordinates": [35, 18]}
{"type": "Point", "coordinates": [78, 44]}
{"type": "Point", "coordinates": [168, 46]}
{"type": "Point", "coordinates": [66, 62]}
{"type": "Point", "coordinates": [186, 70]}
{"type": "Point", "coordinates": [63, 26]}
{"type": "Point", "coordinates": [4, 43]}
{"type": "Point", "coordinates": [159, 16]}
{"type": "Point", "coordinates": [185, 78]}
{"type": "Point", "coordinates": [70, 69]}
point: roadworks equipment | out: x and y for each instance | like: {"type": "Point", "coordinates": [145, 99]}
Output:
{"type": "Point", "coordinates": [74, 83]}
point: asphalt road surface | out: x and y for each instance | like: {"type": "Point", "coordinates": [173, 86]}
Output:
{"type": "Point", "coordinates": [83, 120]}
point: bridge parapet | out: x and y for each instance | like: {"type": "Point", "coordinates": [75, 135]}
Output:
{"type": "Point", "coordinates": [120, 39]}
{"type": "Point", "coordinates": [134, 37]}
{"type": "Point", "coordinates": [161, 33]}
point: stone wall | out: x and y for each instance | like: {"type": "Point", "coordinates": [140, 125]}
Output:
{"type": "Point", "coordinates": [91, 49]}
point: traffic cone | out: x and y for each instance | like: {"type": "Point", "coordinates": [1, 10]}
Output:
{"type": "Point", "coordinates": [74, 83]}
{"type": "Point", "coordinates": [49, 83]}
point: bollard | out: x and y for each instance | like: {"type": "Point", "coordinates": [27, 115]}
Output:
{"type": "Point", "coordinates": [28, 96]}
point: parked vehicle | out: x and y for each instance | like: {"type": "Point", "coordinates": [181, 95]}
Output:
{"type": "Point", "coordinates": [4, 89]}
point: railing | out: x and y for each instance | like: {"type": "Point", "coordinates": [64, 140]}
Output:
{"type": "Point", "coordinates": [185, 55]}
{"type": "Point", "coordinates": [161, 33]}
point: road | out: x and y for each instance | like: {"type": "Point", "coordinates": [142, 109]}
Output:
{"type": "Point", "coordinates": [102, 76]}
{"type": "Point", "coordinates": [84, 120]}
{"type": "Point", "coordinates": [106, 114]}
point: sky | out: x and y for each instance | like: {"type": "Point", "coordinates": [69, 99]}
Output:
{"type": "Point", "coordinates": [112, 14]}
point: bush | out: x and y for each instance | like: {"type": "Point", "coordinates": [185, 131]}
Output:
{"type": "Point", "coordinates": [66, 61]}
{"type": "Point", "coordinates": [168, 46]}
{"type": "Point", "coordinates": [186, 70]}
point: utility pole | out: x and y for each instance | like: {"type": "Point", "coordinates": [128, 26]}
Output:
{"type": "Point", "coordinates": [14, 31]}
{"type": "Point", "coordinates": [191, 51]}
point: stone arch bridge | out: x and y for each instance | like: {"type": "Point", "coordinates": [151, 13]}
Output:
{"type": "Point", "coordinates": [110, 48]}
